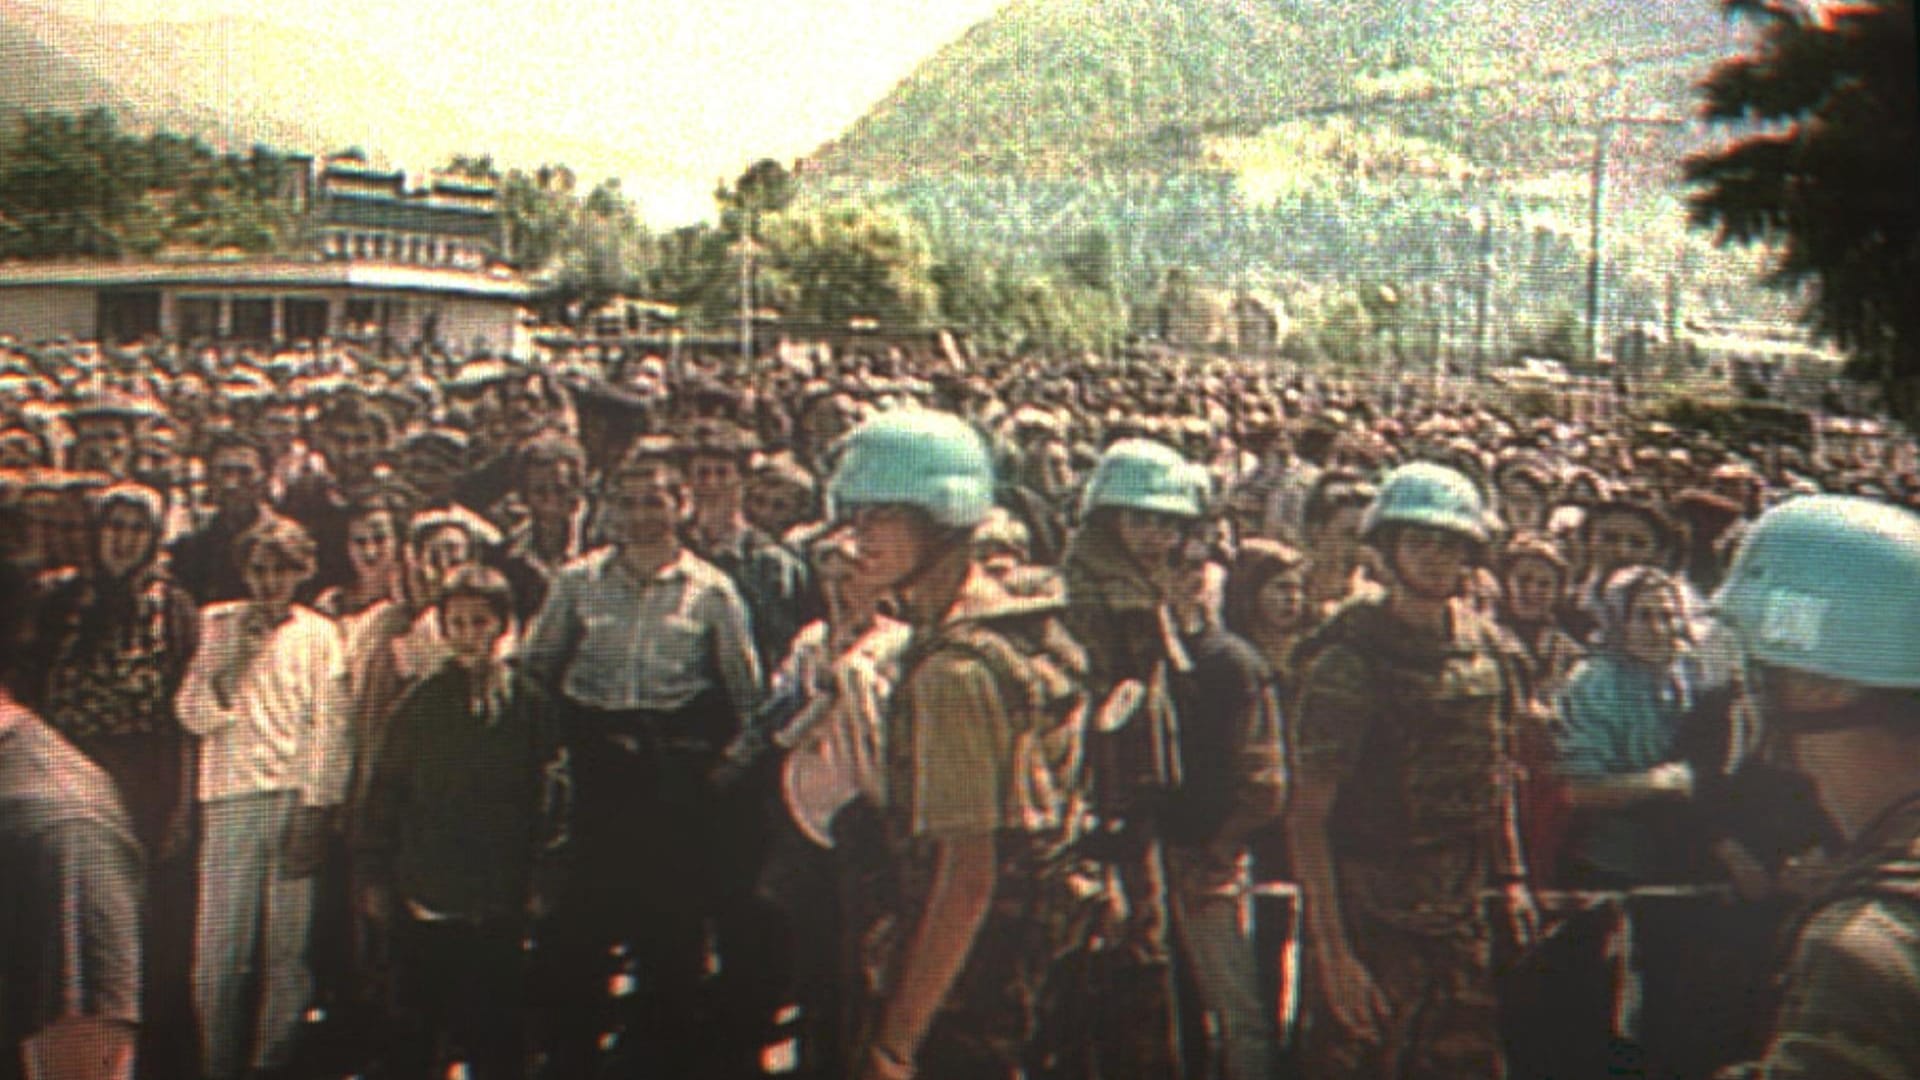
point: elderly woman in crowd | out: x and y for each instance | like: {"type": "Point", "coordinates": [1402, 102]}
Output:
{"type": "Point", "coordinates": [1618, 740]}
{"type": "Point", "coordinates": [112, 646]}
{"type": "Point", "coordinates": [440, 542]}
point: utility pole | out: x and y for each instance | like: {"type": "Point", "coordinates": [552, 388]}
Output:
{"type": "Point", "coordinates": [1596, 182]}
{"type": "Point", "coordinates": [1596, 211]}
{"type": "Point", "coordinates": [1482, 298]}
{"type": "Point", "coordinates": [746, 294]}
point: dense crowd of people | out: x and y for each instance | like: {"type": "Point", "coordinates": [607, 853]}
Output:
{"type": "Point", "coordinates": [883, 713]}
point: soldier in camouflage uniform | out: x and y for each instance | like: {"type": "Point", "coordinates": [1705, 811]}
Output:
{"type": "Point", "coordinates": [1823, 599]}
{"type": "Point", "coordinates": [955, 960]}
{"type": "Point", "coordinates": [1140, 502]}
{"type": "Point", "coordinates": [1403, 807]}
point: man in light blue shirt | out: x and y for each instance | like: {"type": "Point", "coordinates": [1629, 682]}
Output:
{"type": "Point", "coordinates": [650, 651]}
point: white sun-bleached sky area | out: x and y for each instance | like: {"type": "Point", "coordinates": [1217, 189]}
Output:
{"type": "Point", "coordinates": [693, 89]}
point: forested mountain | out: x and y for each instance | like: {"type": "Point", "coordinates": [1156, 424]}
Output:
{"type": "Point", "coordinates": [1071, 87]}
{"type": "Point", "coordinates": [1437, 145]}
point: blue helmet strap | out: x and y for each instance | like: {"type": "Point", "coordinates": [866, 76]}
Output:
{"type": "Point", "coordinates": [941, 546]}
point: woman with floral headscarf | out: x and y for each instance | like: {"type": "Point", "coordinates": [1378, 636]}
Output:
{"type": "Point", "coordinates": [1617, 738]}
{"type": "Point", "coordinates": [113, 644]}
{"type": "Point", "coordinates": [114, 640]}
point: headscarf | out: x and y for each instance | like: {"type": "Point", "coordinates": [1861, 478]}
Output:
{"type": "Point", "coordinates": [140, 497]}
{"type": "Point", "coordinates": [1616, 604]}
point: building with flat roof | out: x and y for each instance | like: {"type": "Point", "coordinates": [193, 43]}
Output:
{"type": "Point", "coordinates": [385, 261]}
{"type": "Point", "coordinates": [263, 301]}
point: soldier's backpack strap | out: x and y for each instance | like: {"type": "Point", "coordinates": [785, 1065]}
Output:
{"type": "Point", "coordinates": [1041, 688]}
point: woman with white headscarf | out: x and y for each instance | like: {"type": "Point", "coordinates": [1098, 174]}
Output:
{"type": "Point", "coordinates": [1618, 730]}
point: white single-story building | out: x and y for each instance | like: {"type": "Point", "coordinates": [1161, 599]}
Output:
{"type": "Point", "coordinates": [264, 301]}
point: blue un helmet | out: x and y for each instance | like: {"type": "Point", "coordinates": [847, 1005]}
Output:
{"type": "Point", "coordinates": [1141, 474]}
{"type": "Point", "coordinates": [1830, 584]}
{"type": "Point", "coordinates": [914, 457]}
{"type": "Point", "coordinates": [1431, 495]}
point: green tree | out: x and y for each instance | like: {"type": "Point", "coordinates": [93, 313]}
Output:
{"type": "Point", "coordinates": [765, 188]}
{"type": "Point", "coordinates": [581, 250]}
{"type": "Point", "coordinates": [1829, 179]}
{"type": "Point", "coordinates": [1055, 314]}
{"type": "Point", "coordinates": [81, 186]}
{"type": "Point", "coordinates": [473, 167]}
{"type": "Point", "coordinates": [539, 208]}
{"type": "Point", "coordinates": [693, 267]}
{"type": "Point", "coordinates": [972, 295]}
{"type": "Point", "coordinates": [1344, 334]}
{"type": "Point", "coordinates": [1090, 261]}
{"type": "Point", "coordinates": [838, 262]}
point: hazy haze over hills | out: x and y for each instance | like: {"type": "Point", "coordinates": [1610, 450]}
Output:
{"type": "Point", "coordinates": [669, 97]}
{"type": "Point", "coordinates": [1253, 142]}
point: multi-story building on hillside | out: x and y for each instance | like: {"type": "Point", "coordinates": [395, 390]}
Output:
{"type": "Point", "coordinates": [361, 213]}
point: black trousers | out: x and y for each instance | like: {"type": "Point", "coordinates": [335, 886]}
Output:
{"type": "Point", "coordinates": [659, 904]}
{"type": "Point", "coordinates": [462, 994]}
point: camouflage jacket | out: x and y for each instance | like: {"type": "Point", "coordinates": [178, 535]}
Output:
{"type": "Point", "coordinates": [1850, 993]}
{"type": "Point", "coordinates": [1417, 735]}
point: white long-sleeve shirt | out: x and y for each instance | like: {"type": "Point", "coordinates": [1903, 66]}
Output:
{"type": "Point", "coordinates": [285, 725]}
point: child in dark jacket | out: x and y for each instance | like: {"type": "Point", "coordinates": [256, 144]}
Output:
{"type": "Point", "coordinates": [465, 823]}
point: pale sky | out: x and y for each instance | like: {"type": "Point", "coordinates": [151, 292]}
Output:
{"type": "Point", "coordinates": [696, 88]}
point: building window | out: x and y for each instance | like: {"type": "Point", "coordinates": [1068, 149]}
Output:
{"type": "Point", "coordinates": [253, 318]}
{"type": "Point", "coordinates": [304, 318]}
{"type": "Point", "coordinates": [197, 318]}
{"type": "Point", "coordinates": [128, 315]}
{"type": "Point", "coordinates": [363, 316]}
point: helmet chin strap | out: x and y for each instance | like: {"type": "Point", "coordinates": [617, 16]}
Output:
{"type": "Point", "coordinates": [1390, 561]}
{"type": "Point", "coordinates": [938, 551]}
